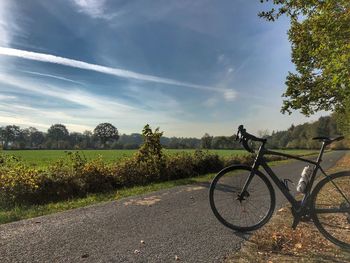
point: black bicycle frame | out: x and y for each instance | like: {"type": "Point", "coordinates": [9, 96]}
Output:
{"type": "Point", "coordinates": [260, 161]}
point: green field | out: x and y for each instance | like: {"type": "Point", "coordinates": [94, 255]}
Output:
{"type": "Point", "coordinates": [41, 158]}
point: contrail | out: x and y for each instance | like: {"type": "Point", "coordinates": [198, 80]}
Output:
{"type": "Point", "coordinates": [51, 76]}
{"type": "Point", "coordinates": [98, 68]}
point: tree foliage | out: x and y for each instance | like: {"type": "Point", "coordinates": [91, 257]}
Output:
{"type": "Point", "coordinates": [207, 141]}
{"type": "Point", "coordinates": [151, 146]}
{"type": "Point", "coordinates": [57, 132]}
{"type": "Point", "coordinates": [320, 38]}
{"type": "Point", "coordinates": [9, 134]}
{"type": "Point", "coordinates": [343, 119]}
{"type": "Point", "coordinates": [106, 132]}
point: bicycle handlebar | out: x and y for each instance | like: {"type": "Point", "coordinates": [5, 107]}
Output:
{"type": "Point", "coordinates": [243, 136]}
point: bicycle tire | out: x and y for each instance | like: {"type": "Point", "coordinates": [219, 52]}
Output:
{"type": "Point", "coordinates": [259, 181]}
{"type": "Point", "coordinates": [333, 224]}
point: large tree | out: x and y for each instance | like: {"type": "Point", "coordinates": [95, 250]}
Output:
{"type": "Point", "coordinates": [106, 132]}
{"type": "Point", "coordinates": [57, 132]}
{"type": "Point", "coordinates": [9, 134]}
{"type": "Point", "coordinates": [320, 39]}
{"type": "Point", "coordinates": [37, 138]}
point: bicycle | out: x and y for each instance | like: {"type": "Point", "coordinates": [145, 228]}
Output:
{"type": "Point", "coordinates": [243, 199]}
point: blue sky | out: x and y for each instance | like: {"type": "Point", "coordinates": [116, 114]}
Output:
{"type": "Point", "coordinates": [189, 67]}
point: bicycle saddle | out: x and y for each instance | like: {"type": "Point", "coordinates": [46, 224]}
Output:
{"type": "Point", "coordinates": [327, 139]}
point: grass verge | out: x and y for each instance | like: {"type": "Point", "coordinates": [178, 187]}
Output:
{"type": "Point", "coordinates": [278, 242]}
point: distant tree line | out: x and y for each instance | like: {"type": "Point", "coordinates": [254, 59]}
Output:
{"type": "Point", "coordinates": [300, 136]}
{"type": "Point", "coordinates": [58, 137]}
{"type": "Point", "coordinates": [106, 136]}
{"type": "Point", "coordinates": [295, 137]}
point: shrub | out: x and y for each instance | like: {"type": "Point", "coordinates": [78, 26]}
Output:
{"type": "Point", "coordinates": [132, 171]}
{"type": "Point", "coordinates": [147, 165]}
{"type": "Point", "coordinates": [75, 176]}
{"type": "Point", "coordinates": [206, 162]}
{"type": "Point", "coordinates": [98, 176]}
{"type": "Point", "coordinates": [179, 166]}
{"type": "Point", "coordinates": [18, 182]}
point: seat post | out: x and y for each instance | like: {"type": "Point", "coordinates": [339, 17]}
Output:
{"type": "Point", "coordinates": [323, 147]}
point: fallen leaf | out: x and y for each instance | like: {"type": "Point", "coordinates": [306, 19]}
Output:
{"type": "Point", "coordinates": [298, 245]}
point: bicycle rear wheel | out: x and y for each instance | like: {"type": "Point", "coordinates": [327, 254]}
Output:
{"type": "Point", "coordinates": [331, 208]}
{"type": "Point", "coordinates": [249, 213]}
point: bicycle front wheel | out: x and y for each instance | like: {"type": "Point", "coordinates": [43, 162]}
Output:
{"type": "Point", "coordinates": [246, 212]}
{"type": "Point", "coordinates": [331, 208]}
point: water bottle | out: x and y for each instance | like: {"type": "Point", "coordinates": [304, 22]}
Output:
{"type": "Point", "coordinates": [304, 179]}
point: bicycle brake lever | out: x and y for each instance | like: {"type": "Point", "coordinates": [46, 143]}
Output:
{"type": "Point", "coordinates": [237, 136]}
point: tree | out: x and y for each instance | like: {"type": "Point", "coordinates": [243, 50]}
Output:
{"type": "Point", "coordinates": [343, 119]}
{"type": "Point", "coordinates": [9, 134]}
{"type": "Point", "coordinates": [206, 141]}
{"type": "Point", "coordinates": [37, 138]}
{"type": "Point", "coordinates": [57, 132]}
{"type": "Point", "coordinates": [221, 142]}
{"type": "Point", "coordinates": [151, 146]}
{"type": "Point", "coordinates": [106, 132]}
{"type": "Point", "coordinates": [263, 133]}
{"type": "Point", "coordinates": [76, 140]}
{"type": "Point", "coordinates": [320, 39]}
{"type": "Point", "coordinates": [23, 139]}
{"type": "Point", "coordinates": [88, 140]}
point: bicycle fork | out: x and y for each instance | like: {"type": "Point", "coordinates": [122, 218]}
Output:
{"type": "Point", "coordinates": [255, 167]}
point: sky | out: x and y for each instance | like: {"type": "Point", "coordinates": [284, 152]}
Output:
{"type": "Point", "coordinates": [188, 67]}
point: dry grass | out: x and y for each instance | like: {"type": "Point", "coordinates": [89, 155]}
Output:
{"type": "Point", "coordinates": [278, 242]}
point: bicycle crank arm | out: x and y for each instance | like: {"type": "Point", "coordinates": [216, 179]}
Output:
{"type": "Point", "coordinates": [296, 221]}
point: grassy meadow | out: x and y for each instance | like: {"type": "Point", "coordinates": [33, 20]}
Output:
{"type": "Point", "coordinates": [42, 158]}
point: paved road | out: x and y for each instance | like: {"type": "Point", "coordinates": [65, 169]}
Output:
{"type": "Point", "coordinates": [176, 222]}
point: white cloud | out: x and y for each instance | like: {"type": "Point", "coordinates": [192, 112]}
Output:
{"type": "Point", "coordinates": [75, 96]}
{"type": "Point", "coordinates": [98, 68]}
{"type": "Point", "coordinates": [16, 120]}
{"type": "Point", "coordinates": [96, 109]}
{"type": "Point", "coordinates": [8, 27]}
{"type": "Point", "coordinates": [230, 95]}
{"type": "Point", "coordinates": [94, 8]}
{"type": "Point", "coordinates": [6, 97]}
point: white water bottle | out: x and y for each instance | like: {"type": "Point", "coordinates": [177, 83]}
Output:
{"type": "Point", "coordinates": [304, 179]}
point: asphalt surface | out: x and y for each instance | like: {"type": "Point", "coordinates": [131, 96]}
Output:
{"type": "Point", "coordinates": [169, 225]}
